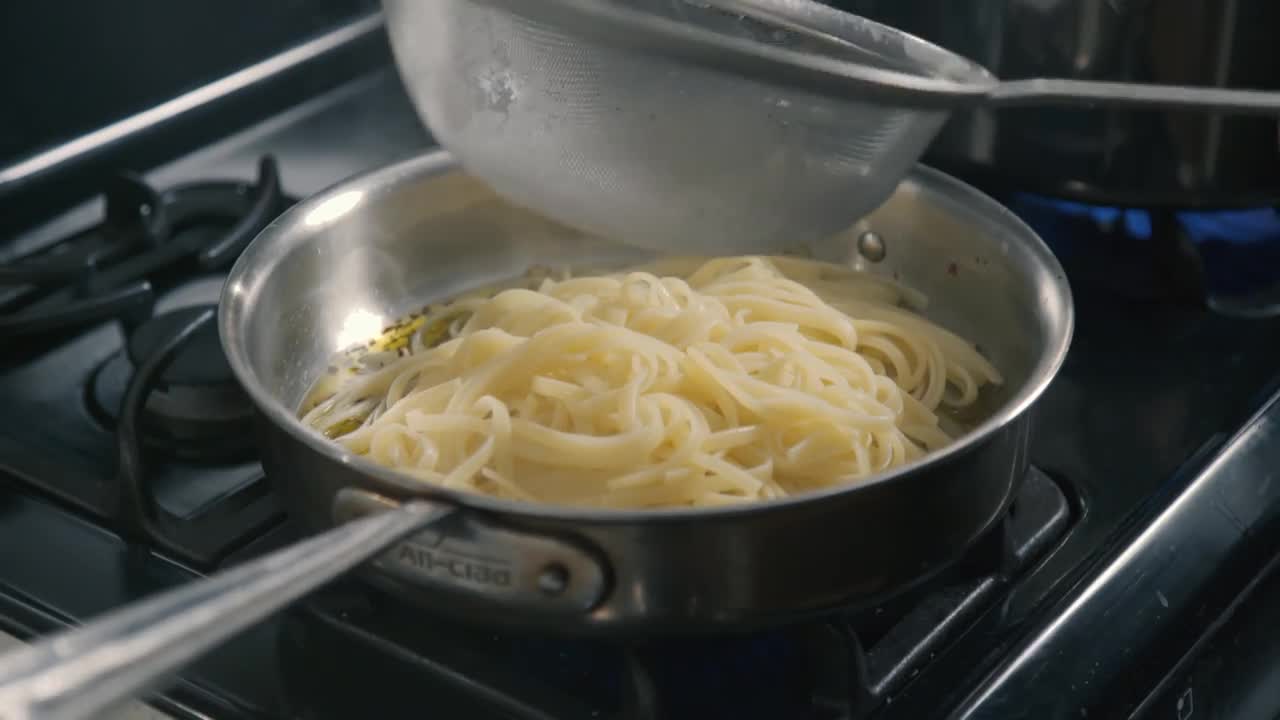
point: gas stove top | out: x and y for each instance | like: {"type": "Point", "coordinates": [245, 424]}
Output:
{"type": "Point", "coordinates": [127, 467]}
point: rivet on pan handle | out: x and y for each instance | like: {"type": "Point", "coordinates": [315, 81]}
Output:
{"type": "Point", "coordinates": [475, 557]}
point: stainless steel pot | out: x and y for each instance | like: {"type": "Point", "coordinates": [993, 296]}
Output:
{"type": "Point", "coordinates": [336, 266]}
{"type": "Point", "coordinates": [385, 244]}
{"type": "Point", "coordinates": [1115, 157]}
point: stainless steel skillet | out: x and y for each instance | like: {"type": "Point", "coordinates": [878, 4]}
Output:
{"type": "Point", "coordinates": [334, 268]}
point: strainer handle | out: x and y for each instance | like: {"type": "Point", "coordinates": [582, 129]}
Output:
{"type": "Point", "coordinates": [822, 22]}
{"type": "Point", "coordinates": [1117, 95]}
{"type": "Point", "coordinates": [615, 22]}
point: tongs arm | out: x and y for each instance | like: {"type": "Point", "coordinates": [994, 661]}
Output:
{"type": "Point", "coordinates": [80, 672]}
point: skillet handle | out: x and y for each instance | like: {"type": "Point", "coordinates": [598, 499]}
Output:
{"type": "Point", "coordinates": [80, 672]}
{"type": "Point", "coordinates": [470, 557]}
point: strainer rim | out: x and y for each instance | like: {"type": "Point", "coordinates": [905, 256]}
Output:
{"type": "Point", "coordinates": [621, 23]}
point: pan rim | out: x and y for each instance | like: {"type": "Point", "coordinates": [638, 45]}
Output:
{"type": "Point", "coordinates": [256, 264]}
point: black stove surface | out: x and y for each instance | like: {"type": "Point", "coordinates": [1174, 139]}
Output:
{"type": "Point", "coordinates": [1150, 511]}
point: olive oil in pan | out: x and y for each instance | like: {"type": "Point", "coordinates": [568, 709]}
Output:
{"type": "Point", "coordinates": [433, 325]}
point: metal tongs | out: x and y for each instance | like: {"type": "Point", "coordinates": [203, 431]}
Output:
{"type": "Point", "coordinates": [82, 672]}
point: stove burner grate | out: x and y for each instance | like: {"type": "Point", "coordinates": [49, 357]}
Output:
{"type": "Point", "coordinates": [175, 420]}
{"type": "Point", "coordinates": [114, 270]}
{"type": "Point", "coordinates": [196, 410]}
{"type": "Point", "coordinates": [137, 513]}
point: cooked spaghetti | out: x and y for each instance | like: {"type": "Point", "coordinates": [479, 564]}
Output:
{"type": "Point", "coordinates": [745, 379]}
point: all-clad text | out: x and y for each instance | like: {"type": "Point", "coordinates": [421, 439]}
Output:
{"type": "Point", "coordinates": [461, 568]}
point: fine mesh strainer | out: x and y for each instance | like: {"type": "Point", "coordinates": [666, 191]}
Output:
{"type": "Point", "coordinates": [705, 127]}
